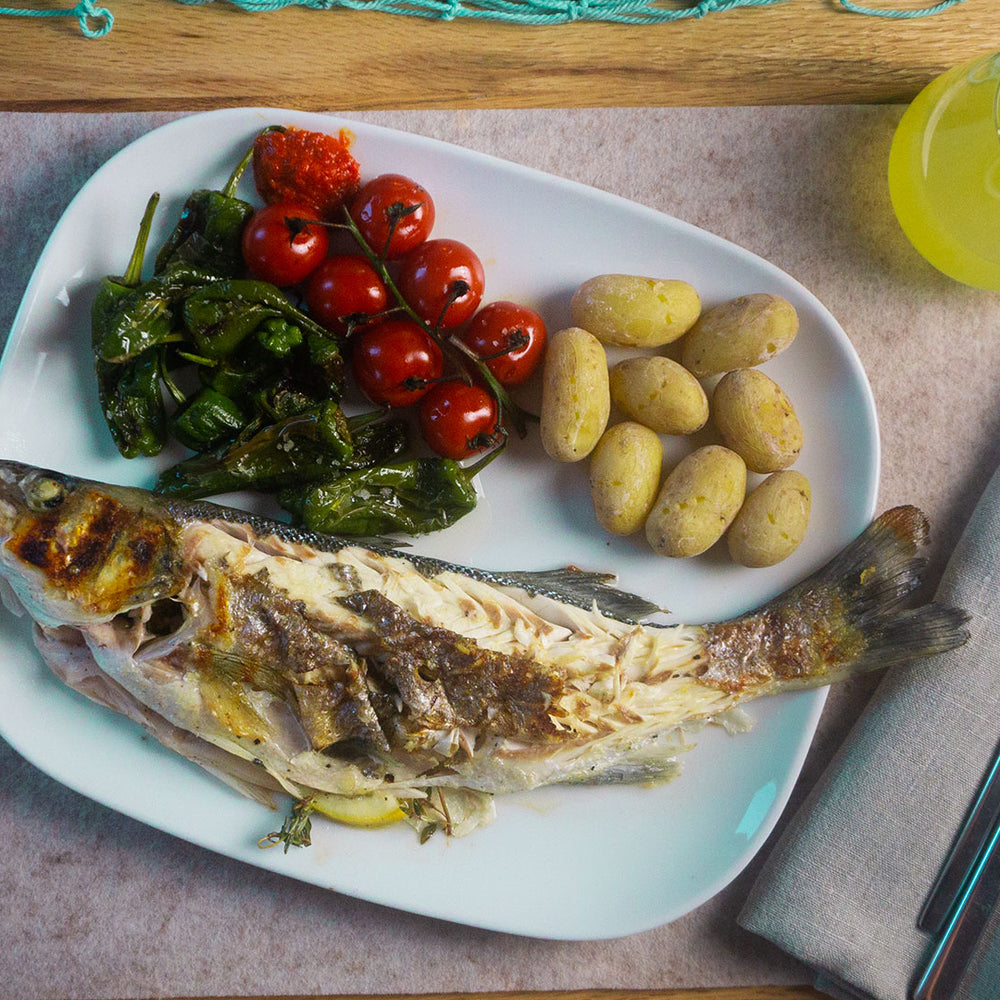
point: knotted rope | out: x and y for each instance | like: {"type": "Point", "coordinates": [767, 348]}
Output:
{"type": "Point", "coordinates": [95, 22]}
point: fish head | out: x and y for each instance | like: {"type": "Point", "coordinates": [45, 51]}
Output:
{"type": "Point", "coordinates": [76, 552]}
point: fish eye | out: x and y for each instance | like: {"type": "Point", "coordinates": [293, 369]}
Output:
{"type": "Point", "coordinates": [45, 493]}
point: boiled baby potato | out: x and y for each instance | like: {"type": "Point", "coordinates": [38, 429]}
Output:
{"type": "Point", "coordinates": [697, 502]}
{"type": "Point", "coordinates": [757, 420]}
{"type": "Point", "coordinates": [773, 520]}
{"type": "Point", "coordinates": [741, 333]}
{"type": "Point", "coordinates": [625, 476]}
{"type": "Point", "coordinates": [576, 401]}
{"type": "Point", "coordinates": [631, 311]}
{"type": "Point", "coordinates": [659, 393]}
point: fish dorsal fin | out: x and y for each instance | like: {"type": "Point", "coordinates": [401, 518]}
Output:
{"type": "Point", "coordinates": [583, 589]}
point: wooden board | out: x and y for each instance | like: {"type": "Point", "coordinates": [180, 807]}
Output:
{"type": "Point", "coordinates": [165, 55]}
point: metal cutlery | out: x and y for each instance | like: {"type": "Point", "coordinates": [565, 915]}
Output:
{"type": "Point", "coordinates": [980, 820]}
{"type": "Point", "coordinates": [953, 953]}
{"type": "Point", "coordinates": [964, 895]}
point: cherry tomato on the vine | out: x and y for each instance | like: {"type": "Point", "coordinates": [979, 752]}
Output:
{"type": "Point", "coordinates": [395, 361]}
{"type": "Point", "coordinates": [344, 291]}
{"type": "Point", "coordinates": [459, 420]}
{"type": "Point", "coordinates": [393, 213]}
{"type": "Point", "coordinates": [442, 281]}
{"type": "Point", "coordinates": [280, 250]}
{"type": "Point", "coordinates": [510, 338]}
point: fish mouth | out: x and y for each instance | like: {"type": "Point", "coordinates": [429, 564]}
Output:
{"type": "Point", "coordinates": [26, 489]}
{"type": "Point", "coordinates": [12, 502]}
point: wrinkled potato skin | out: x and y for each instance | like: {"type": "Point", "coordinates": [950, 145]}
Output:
{"type": "Point", "coordinates": [632, 311]}
{"type": "Point", "coordinates": [659, 393]}
{"type": "Point", "coordinates": [741, 333]}
{"type": "Point", "coordinates": [697, 502]}
{"type": "Point", "coordinates": [772, 522]}
{"type": "Point", "coordinates": [757, 420]}
{"type": "Point", "coordinates": [576, 401]}
{"type": "Point", "coordinates": [625, 476]}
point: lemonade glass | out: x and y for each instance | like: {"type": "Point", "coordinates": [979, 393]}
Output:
{"type": "Point", "coordinates": [944, 172]}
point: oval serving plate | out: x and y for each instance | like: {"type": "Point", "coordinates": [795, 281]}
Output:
{"type": "Point", "coordinates": [570, 863]}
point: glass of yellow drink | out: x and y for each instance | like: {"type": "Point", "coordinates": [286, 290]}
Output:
{"type": "Point", "coordinates": [944, 172]}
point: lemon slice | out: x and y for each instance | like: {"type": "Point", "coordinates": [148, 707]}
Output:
{"type": "Point", "coordinates": [375, 809]}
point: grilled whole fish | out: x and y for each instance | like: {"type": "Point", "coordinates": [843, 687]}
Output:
{"type": "Point", "coordinates": [285, 662]}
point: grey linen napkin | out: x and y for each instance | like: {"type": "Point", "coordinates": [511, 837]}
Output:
{"type": "Point", "coordinates": [843, 886]}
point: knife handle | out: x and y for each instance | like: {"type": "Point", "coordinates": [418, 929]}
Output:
{"type": "Point", "coordinates": [954, 951]}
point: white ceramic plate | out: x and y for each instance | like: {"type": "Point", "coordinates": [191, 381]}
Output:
{"type": "Point", "coordinates": [561, 863]}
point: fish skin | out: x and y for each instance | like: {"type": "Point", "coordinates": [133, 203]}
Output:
{"type": "Point", "coordinates": [318, 664]}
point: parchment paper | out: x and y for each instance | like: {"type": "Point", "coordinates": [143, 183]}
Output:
{"type": "Point", "coordinates": [95, 905]}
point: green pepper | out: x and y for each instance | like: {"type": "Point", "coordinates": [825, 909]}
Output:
{"type": "Point", "coordinates": [209, 231]}
{"type": "Point", "coordinates": [239, 376]}
{"type": "Point", "coordinates": [220, 316]}
{"type": "Point", "coordinates": [284, 397]}
{"type": "Point", "coordinates": [325, 360]}
{"type": "Point", "coordinates": [300, 449]}
{"type": "Point", "coordinates": [279, 336]}
{"type": "Point", "coordinates": [128, 315]}
{"type": "Point", "coordinates": [415, 496]}
{"type": "Point", "coordinates": [124, 318]}
{"type": "Point", "coordinates": [114, 289]}
{"type": "Point", "coordinates": [132, 404]}
{"type": "Point", "coordinates": [208, 418]}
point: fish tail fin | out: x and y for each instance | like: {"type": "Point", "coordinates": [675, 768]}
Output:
{"type": "Point", "coordinates": [857, 609]}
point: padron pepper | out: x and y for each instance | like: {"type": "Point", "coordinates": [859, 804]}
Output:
{"type": "Point", "coordinates": [415, 496]}
{"type": "Point", "coordinates": [220, 316]}
{"type": "Point", "coordinates": [123, 314]}
{"type": "Point", "coordinates": [279, 336]}
{"type": "Point", "coordinates": [209, 232]}
{"type": "Point", "coordinates": [129, 315]}
{"type": "Point", "coordinates": [299, 449]}
{"type": "Point", "coordinates": [284, 396]}
{"type": "Point", "coordinates": [129, 394]}
{"type": "Point", "coordinates": [207, 419]}
{"type": "Point", "coordinates": [132, 404]}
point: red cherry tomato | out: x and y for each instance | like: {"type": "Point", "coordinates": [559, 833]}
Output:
{"type": "Point", "coordinates": [344, 291]}
{"type": "Point", "coordinates": [279, 250]}
{"type": "Point", "coordinates": [459, 420]}
{"type": "Point", "coordinates": [394, 362]}
{"type": "Point", "coordinates": [510, 338]}
{"type": "Point", "coordinates": [393, 213]}
{"type": "Point", "coordinates": [442, 281]}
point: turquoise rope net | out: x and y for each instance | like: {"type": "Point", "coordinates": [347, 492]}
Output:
{"type": "Point", "coordinates": [96, 22]}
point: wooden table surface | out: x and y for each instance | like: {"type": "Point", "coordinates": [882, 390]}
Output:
{"type": "Point", "coordinates": [165, 55]}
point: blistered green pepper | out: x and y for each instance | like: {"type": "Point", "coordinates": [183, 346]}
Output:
{"type": "Point", "coordinates": [284, 397]}
{"type": "Point", "coordinates": [279, 336]}
{"type": "Point", "coordinates": [208, 418]}
{"type": "Point", "coordinates": [128, 315]}
{"type": "Point", "coordinates": [415, 497]}
{"type": "Point", "coordinates": [209, 231]}
{"type": "Point", "coordinates": [129, 393]}
{"type": "Point", "coordinates": [132, 404]}
{"type": "Point", "coordinates": [125, 317]}
{"type": "Point", "coordinates": [115, 289]}
{"type": "Point", "coordinates": [220, 316]}
{"type": "Point", "coordinates": [325, 360]}
{"type": "Point", "coordinates": [299, 449]}
{"type": "Point", "coordinates": [236, 377]}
